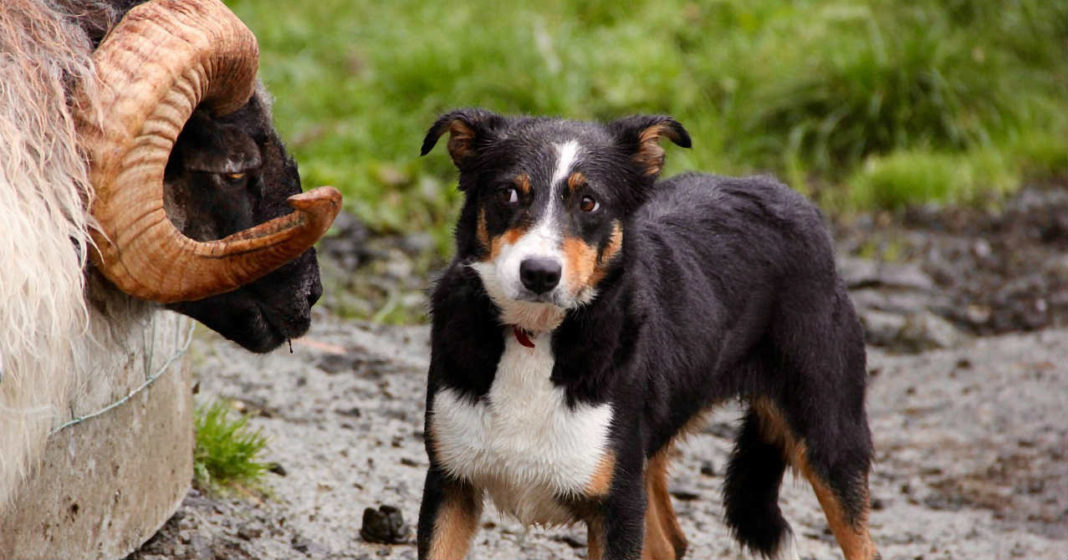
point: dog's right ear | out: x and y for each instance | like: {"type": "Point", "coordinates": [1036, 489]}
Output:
{"type": "Point", "coordinates": [641, 134]}
{"type": "Point", "coordinates": [469, 129]}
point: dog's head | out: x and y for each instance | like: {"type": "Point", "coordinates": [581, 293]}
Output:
{"type": "Point", "coordinates": [546, 201]}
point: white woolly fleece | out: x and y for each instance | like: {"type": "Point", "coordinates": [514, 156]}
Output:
{"type": "Point", "coordinates": [51, 341]}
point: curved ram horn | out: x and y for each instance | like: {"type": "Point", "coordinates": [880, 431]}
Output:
{"type": "Point", "coordinates": [162, 61]}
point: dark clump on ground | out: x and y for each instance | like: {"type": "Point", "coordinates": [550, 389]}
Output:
{"type": "Point", "coordinates": [384, 525]}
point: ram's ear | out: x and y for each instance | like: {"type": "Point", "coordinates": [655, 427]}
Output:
{"type": "Point", "coordinates": [469, 130]}
{"type": "Point", "coordinates": [640, 135]}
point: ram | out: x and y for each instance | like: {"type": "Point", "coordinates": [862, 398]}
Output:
{"type": "Point", "coordinates": [139, 170]}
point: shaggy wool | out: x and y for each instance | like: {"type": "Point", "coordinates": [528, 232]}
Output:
{"type": "Point", "coordinates": [55, 327]}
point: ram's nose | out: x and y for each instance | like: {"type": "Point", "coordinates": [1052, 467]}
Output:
{"type": "Point", "coordinates": [539, 274]}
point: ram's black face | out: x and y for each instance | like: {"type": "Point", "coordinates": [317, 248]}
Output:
{"type": "Point", "coordinates": [225, 175]}
{"type": "Point", "coordinates": [546, 203]}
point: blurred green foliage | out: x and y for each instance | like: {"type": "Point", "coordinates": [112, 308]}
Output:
{"type": "Point", "coordinates": [860, 103]}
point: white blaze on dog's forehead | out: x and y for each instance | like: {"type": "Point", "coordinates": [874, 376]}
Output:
{"type": "Point", "coordinates": [566, 154]}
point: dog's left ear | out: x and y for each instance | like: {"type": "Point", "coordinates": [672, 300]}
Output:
{"type": "Point", "coordinates": [468, 130]}
{"type": "Point", "coordinates": [641, 134]}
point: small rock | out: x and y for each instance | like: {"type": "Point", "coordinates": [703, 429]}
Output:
{"type": "Point", "coordinates": [347, 242]}
{"type": "Point", "coordinates": [398, 267]}
{"type": "Point", "coordinates": [881, 328]}
{"type": "Point", "coordinates": [904, 276]}
{"type": "Point", "coordinates": [914, 332]}
{"type": "Point", "coordinates": [300, 544]}
{"type": "Point", "coordinates": [978, 314]}
{"type": "Point", "coordinates": [572, 541]}
{"type": "Point", "coordinates": [924, 331]}
{"type": "Point", "coordinates": [305, 545]}
{"type": "Point", "coordinates": [860, 273]}
{"type": "Point", "coordinates": [202, 548]}
{"type": "Point", "coordinates": [685, 494]}
{"type": "Point", "coordinates": [335, 363]}
{"type": "Point", "coordinates": [857, 272]}
{"type": "Point", "coordinates": [249, 531]}
{"type": "Point", "coordinates": [353, 412]}
{"type": "Point", "coordinates": [417, 243]}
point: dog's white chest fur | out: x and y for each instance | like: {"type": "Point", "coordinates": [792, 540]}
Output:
{"type": "Point", "coordinates": [522, 443]}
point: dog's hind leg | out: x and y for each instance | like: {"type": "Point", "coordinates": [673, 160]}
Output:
{"type": "Point", "coordinates": [834, 456]}
{"type": "Point", "coordinates": [811, 400]}
{"type": "Point", "coordinates": [751, 493]}
{"type": "Point", "coordinates": [664, 539]}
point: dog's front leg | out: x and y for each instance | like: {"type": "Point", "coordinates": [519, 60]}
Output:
{"type": "Point", "coordinates": [617, 531]}
{"type": "Point", "coordinates": [448, 517]}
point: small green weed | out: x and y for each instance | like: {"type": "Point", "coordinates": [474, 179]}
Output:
{"type": "Point", "coordinates": [227, 450]}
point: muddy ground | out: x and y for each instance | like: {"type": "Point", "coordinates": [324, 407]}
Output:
{"type": "Point", "coordinates": [970, 423]}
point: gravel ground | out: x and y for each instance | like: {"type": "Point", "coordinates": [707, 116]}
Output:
{"type": "Point", "coordinates": [971, 449]}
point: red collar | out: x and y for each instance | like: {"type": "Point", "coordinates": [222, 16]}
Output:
{"type": "Point", "coordinates": [522, 336]}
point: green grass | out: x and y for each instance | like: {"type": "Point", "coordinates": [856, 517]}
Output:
{"type": "Point", "coordinates": [818, 91]}
{"type": "Point", "coordinates": [227, 451]}
{"type": "Point", "coordinates": [908, 178]}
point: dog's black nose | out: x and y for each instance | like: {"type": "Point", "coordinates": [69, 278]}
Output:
{"type": "Point", "coordinates": [539, 275]}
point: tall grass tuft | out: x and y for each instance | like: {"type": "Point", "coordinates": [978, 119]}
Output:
{"type": "Point", "coordinates": [903, 76]}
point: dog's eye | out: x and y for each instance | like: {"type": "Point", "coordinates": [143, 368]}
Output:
{"type": "Point", "coordinates": [588, 204]}
{"type": "Point", "coordinates": [508, 195]}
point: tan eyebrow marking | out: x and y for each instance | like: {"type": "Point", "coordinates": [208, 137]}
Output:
{"type": "Point", "coordinates": [522, 182]}
{"type": "Point", "coordinates": [576, 181]}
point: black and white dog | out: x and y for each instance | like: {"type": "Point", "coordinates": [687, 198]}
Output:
{"type": "Point", "coordinates": [592, 314]}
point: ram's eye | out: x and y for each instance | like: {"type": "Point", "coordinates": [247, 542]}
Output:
{"type": "Point", "coordinates": [508, 196]}
{"type": "Point", "coordinates": [588, 204]}
{"type": "Point", "coordinates": [234, 178]}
